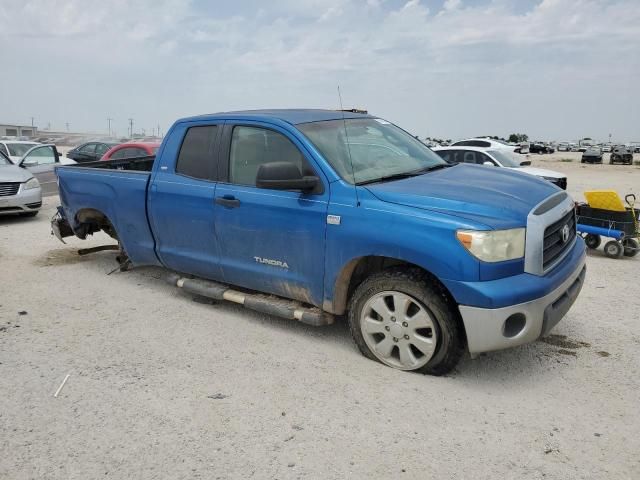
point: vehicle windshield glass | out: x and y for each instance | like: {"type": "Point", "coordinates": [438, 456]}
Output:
{"type": "Point", "coordinates": [4, 160]}
{"type": "Point", "coordinates": [504, 158]}
{"type": "Point", "coordinates": [19, 149]}
{"type": "Point", "coordinates": [375, 147]}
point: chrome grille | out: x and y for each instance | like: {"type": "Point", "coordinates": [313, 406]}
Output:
{"type": "Point", "coordinates": [555, 243]}
{"type": "Point", "coordinates": [9, 188]}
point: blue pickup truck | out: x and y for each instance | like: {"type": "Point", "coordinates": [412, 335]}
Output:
{"type": "Point", "coordinates": [317, 214]}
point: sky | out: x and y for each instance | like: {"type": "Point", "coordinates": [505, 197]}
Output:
{"type": "Point", "coordinates": [553, 69]}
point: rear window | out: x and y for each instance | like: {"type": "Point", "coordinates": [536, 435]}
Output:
{"type": "Point", "coordinates": [196, 154]}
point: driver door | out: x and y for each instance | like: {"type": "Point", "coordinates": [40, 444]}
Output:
{"type": "Point", "coordinates": [270, 240]}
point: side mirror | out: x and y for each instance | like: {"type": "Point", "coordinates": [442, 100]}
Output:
{"type": "Point", "coordinates": [284, 176]}
{"type": "Point", "coordinates": [29, 164]}
{"type": "Point", "coordinates": [488, 163]}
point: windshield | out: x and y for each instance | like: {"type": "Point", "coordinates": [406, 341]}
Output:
{"type": "Point", "coordinates": [504, 158]}
{"type": "Point", "coordinates": [375, 147]}
{"type": "Point", "coordinates": [4, 160]}
{"type": "Point", "coordinates": [19, 149]}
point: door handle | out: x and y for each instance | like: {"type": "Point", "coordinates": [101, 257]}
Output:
{"type": "Point", "coordinates": [228, 201]}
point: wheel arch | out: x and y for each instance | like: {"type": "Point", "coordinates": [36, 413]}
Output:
{"type": "Point", "coordinates": [91, 220]}
{"type": "Point", "coordinates": [354, 272]}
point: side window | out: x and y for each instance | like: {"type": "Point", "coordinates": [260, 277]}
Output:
{"type": "Point", "coordinates": [88, 148]}
{"type": "Point", "coordinates": [481, 158]}
{"type": "Point", "coordinates": [118, 154]}
{"type": "Point", "coordinates": [41, 156]}
{"type": "Point", "coordinates": [195, 158]}
{"type": "Point", "coordinates": [251, 147]}
{"type": "Point", "coordinates": [446, 155]}
{"type": "Point", "coordinates": [101, 148]}
{"type": "Point", "coordinates": [129, 152]}
{"type": "Point", "coordinates": [469, 157]}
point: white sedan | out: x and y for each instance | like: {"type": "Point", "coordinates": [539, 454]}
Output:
{"type": "Point", "coordinates": [487, 142]}
{"type": "Point", "coordinates": [497, 158]}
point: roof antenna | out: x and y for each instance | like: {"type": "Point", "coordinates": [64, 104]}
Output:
{"type": "Point", "coordinates": [346, 134]}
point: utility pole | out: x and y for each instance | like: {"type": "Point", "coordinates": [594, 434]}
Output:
{"type": "Point", "coordinates": [131, 128]}
{"type": "Point", "coordinates": [159, 136]}
{"type": "Point", "coordinates": [67, 124]}
{"type": "Point", "coordinates": [109, 124]}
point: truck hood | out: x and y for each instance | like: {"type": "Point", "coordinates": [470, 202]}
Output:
{"type": "Point", "coordinates": [497, 197]}
{"type": "Point", "coordinates": [540, 172]}
{"type": "Point", "coordinates": [13, 173]}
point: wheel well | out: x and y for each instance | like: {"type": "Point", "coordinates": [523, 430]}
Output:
{"type": "Point", "coordinates": [357, 270]}
{"type": "Point", "coordinates": [90, 220]}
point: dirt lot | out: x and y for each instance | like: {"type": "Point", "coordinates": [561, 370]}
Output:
{"type": "Point", "coordinates": [162, 386]}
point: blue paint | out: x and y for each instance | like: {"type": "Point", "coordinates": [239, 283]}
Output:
{"type": "Point", "coordinates": [164, 218]}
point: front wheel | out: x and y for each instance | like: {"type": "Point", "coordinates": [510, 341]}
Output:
{"type": "Point", "coordinates": [399, 318]}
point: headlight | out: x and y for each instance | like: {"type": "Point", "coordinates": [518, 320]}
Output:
{"type": "Point", "coordinates": [31, 183]}
{"type": "Point", "coordinates": [494, 245]}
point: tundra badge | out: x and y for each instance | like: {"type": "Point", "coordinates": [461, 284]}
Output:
{"type": "Point", "coordinates": [274, 263]}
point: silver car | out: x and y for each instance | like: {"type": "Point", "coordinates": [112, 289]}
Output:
{"type": "Point", "coordinates": [20, 192]}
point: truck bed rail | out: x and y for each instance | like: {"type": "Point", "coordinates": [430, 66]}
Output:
{"type": "Point", "coordinates": [139, 164]}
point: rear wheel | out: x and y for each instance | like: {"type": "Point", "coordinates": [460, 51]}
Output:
{"type": "Point", "coordinates": [613, 249]}
{"type": "Point", "coordinates": [592, 241]}
{"type": "Point", "coordinates": [631, 247]}
{"type": "Point", "coordinates": [399, 318]}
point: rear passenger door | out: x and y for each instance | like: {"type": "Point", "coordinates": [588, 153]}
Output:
{"type": "Point", "coordinates": [270, 240]}
{"type": "Point", "coordinates": [181, 201]}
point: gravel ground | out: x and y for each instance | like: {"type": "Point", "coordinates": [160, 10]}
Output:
{"type": "Point", "coordinates": [162, 386]}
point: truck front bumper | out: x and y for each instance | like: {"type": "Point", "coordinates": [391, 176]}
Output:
{"type": "Point", "coordinates": [490, 329]}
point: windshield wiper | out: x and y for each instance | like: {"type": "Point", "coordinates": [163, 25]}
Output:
{"type": "Point", "coordinates": [400, 176]}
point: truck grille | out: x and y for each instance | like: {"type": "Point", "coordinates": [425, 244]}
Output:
{"type": "Point", "coordinates": [554, 244]}
{"type": "Point", "coordinates": [9, 188]}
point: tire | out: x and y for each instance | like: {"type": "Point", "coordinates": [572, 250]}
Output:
{"type": "Point", "coordinates": [592, 241]}
{"type": "Point", "coordinates": [436, 342]}
{"type": "Point", "coordinates": [631, 247]}
{"type": "Point", "coordinates": [29, 214]}
{"type": "Point", "coordinates": [613, 249]}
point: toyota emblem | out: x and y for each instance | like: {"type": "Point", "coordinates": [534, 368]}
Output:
{"type": "Point", "coordinates": [565, 233]}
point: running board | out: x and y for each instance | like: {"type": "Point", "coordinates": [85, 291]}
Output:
{"type": "Point", "coordinates": [268, 304]}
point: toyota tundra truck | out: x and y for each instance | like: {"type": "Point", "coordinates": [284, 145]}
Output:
{"type": "Point", "coordinates": [315, 215]}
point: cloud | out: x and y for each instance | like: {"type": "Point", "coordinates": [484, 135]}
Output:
{"type": "Point", "coordinates": [560, 68]}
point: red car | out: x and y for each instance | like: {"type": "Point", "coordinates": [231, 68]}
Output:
{"type": "Point", "coordinates": [131, 150]}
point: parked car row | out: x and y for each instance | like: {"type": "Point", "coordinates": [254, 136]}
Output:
{"type": "Point", "coordinates": [619, 154]}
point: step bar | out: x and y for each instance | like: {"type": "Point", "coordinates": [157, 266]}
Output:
{"type": "Point", "coordinates": [262, 303]}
